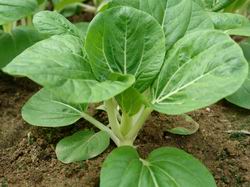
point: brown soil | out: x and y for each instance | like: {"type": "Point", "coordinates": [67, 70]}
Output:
{"type": "Point", "coordinates": [27, 156]}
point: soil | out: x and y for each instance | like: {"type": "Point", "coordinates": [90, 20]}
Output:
{"type": "Point", "coordinates": [27, 156]}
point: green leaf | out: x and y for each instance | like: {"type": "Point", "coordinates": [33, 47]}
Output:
{"type": "Point", "coordinates": [17, 41]}
{"type": "Point", "coordinates": [47, 110]}
{"type": "Point", "coordinates": [61, 4]}
{"type": "Point", "coordinates": [59, 63]}
{"type": "Point", "coordinates": [188, 127]}
{"type": "Point", "coordinates": [93, 91]}
{"type": "Point", "coordinates": [242, 96]}
{"type": "Point", "coordinates": [193, 66]}
{"type": "Point", "coordinates": [82, 27]}
{"type": "Point", "coordinates": [52, 23]}
{"type": "Point", "coordinates": [131, 101]}
{"type": "Point", "coordinates": [52, 62]}
{"type": "Point", "coordinates": [128, 41]}
{"type": "Point", "coordinates": [13, 10]}
{"type": "Point", "coordinates": [233, 24]}
{"type": "Point", "coordinates": [82, 145]}
{"type": "Point", "coordinates": [167, 13]}
{"type": "Point", "coordinates": [206, 4]}
{"type": "Point", "coordinates": [164, 167]}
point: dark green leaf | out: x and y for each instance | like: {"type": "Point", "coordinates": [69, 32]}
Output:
{"type": "Point", "coordinates": [128, 41]}
{"type": "Point", "coordinates": [45, 109]}
{"type": "Point", "coordinates": [166, 166]}
{"type": "Point", "coordinates": [193, 66]}
{"type": "Point", "coordinates": [82, 145]}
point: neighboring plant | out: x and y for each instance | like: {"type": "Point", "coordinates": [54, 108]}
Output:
{"type": "Point", "coordinates": [240, 7]}
{"type": "Point", "coordinates": [70, 7]}
{"type": "Point", "coordinates": [242, 96]}
{"type": "Point", "coordinates": [165, 58]}
{"type": "Point", "coordinates": [17, 33]}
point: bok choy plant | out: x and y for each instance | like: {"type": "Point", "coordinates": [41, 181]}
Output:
{"type": "Point", "coordinates": [133, 60]}
{"type": "Point", "coordinates": [17, 33]}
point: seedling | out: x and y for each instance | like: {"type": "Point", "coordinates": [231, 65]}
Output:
{"type": "Point", "coordinates": [133, 61]}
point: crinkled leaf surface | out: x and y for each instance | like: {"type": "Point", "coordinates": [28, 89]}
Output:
{"type": "Point", "coordinates": [13, 10]}
{"type": "Point", "coordinates": [59, 63]}
{"type": "Point", "coordinates": [202, 68]}
{"type": "Point", "coordinates": [82, 145]}
{"type": "Point", "coordinates": [12, 44]}
{"type": "Point", "coordinates": [168, 167]}
{"type": "Point", "coordinates": [233, 24]}
{"type": "Point", "coordinates": [242, 96]}
{"type": "Point", "coordinates": [167, 13]}
{"type": "Point", "coordinates": [53, 23]}
{"type": "Point", "coordinates": [128, 41]}
{"type": "Point", "coordinates": [47, 110]}
{"type": "Point", "coordinates": [207, 4]}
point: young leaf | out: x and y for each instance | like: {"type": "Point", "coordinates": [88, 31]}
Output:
{"type": "Point", "coordinates": [13, 10]}
{"type": "Point", "coordinates": [242, 96]}
{"type": "Point", "coordinates": [131, 101]}
{"type": "Point", "coordinates": [12, 44]}
{"type": "Point", "coordinates": [82, 145]}
{"type": "Point", "coordinates": [52, 23]}
{"type": "Point", "coordinates": [47, 110]}
{"type": "Point", "coordinates": [128, 41]}
{"type": "Point", "coordinates": [164, 167]}
{"type": "Point", "coordinates": [232, 24]}
{"type": "Point", "coordinates": [193, 66]}
{"type": "Point", "coordinates": [189, 128]}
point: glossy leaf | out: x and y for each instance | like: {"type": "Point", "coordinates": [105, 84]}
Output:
{"type": "Point", "coordinates": [82, 145]}
{"type": "Point", "coordinates": [232, 24]}
{"type": "Point", "coordinates": [128, 41]}
{"type": "Point", "coordinates": [59, 63]}
{"type": "Point", "coordinates": [13, 10]}
{"type": "Point", "coordinates": [193, 66]}
{"type": "Point", "coordinates": [242, 96]}
{"type": "Point", "coordinates": [52, 23]}
{"type": "Point", "coordinates": [166, 166]}
{"type": "Point", "coordinates": [17, 41]}
{"type": "Point", "coordinates": [47, 110]}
